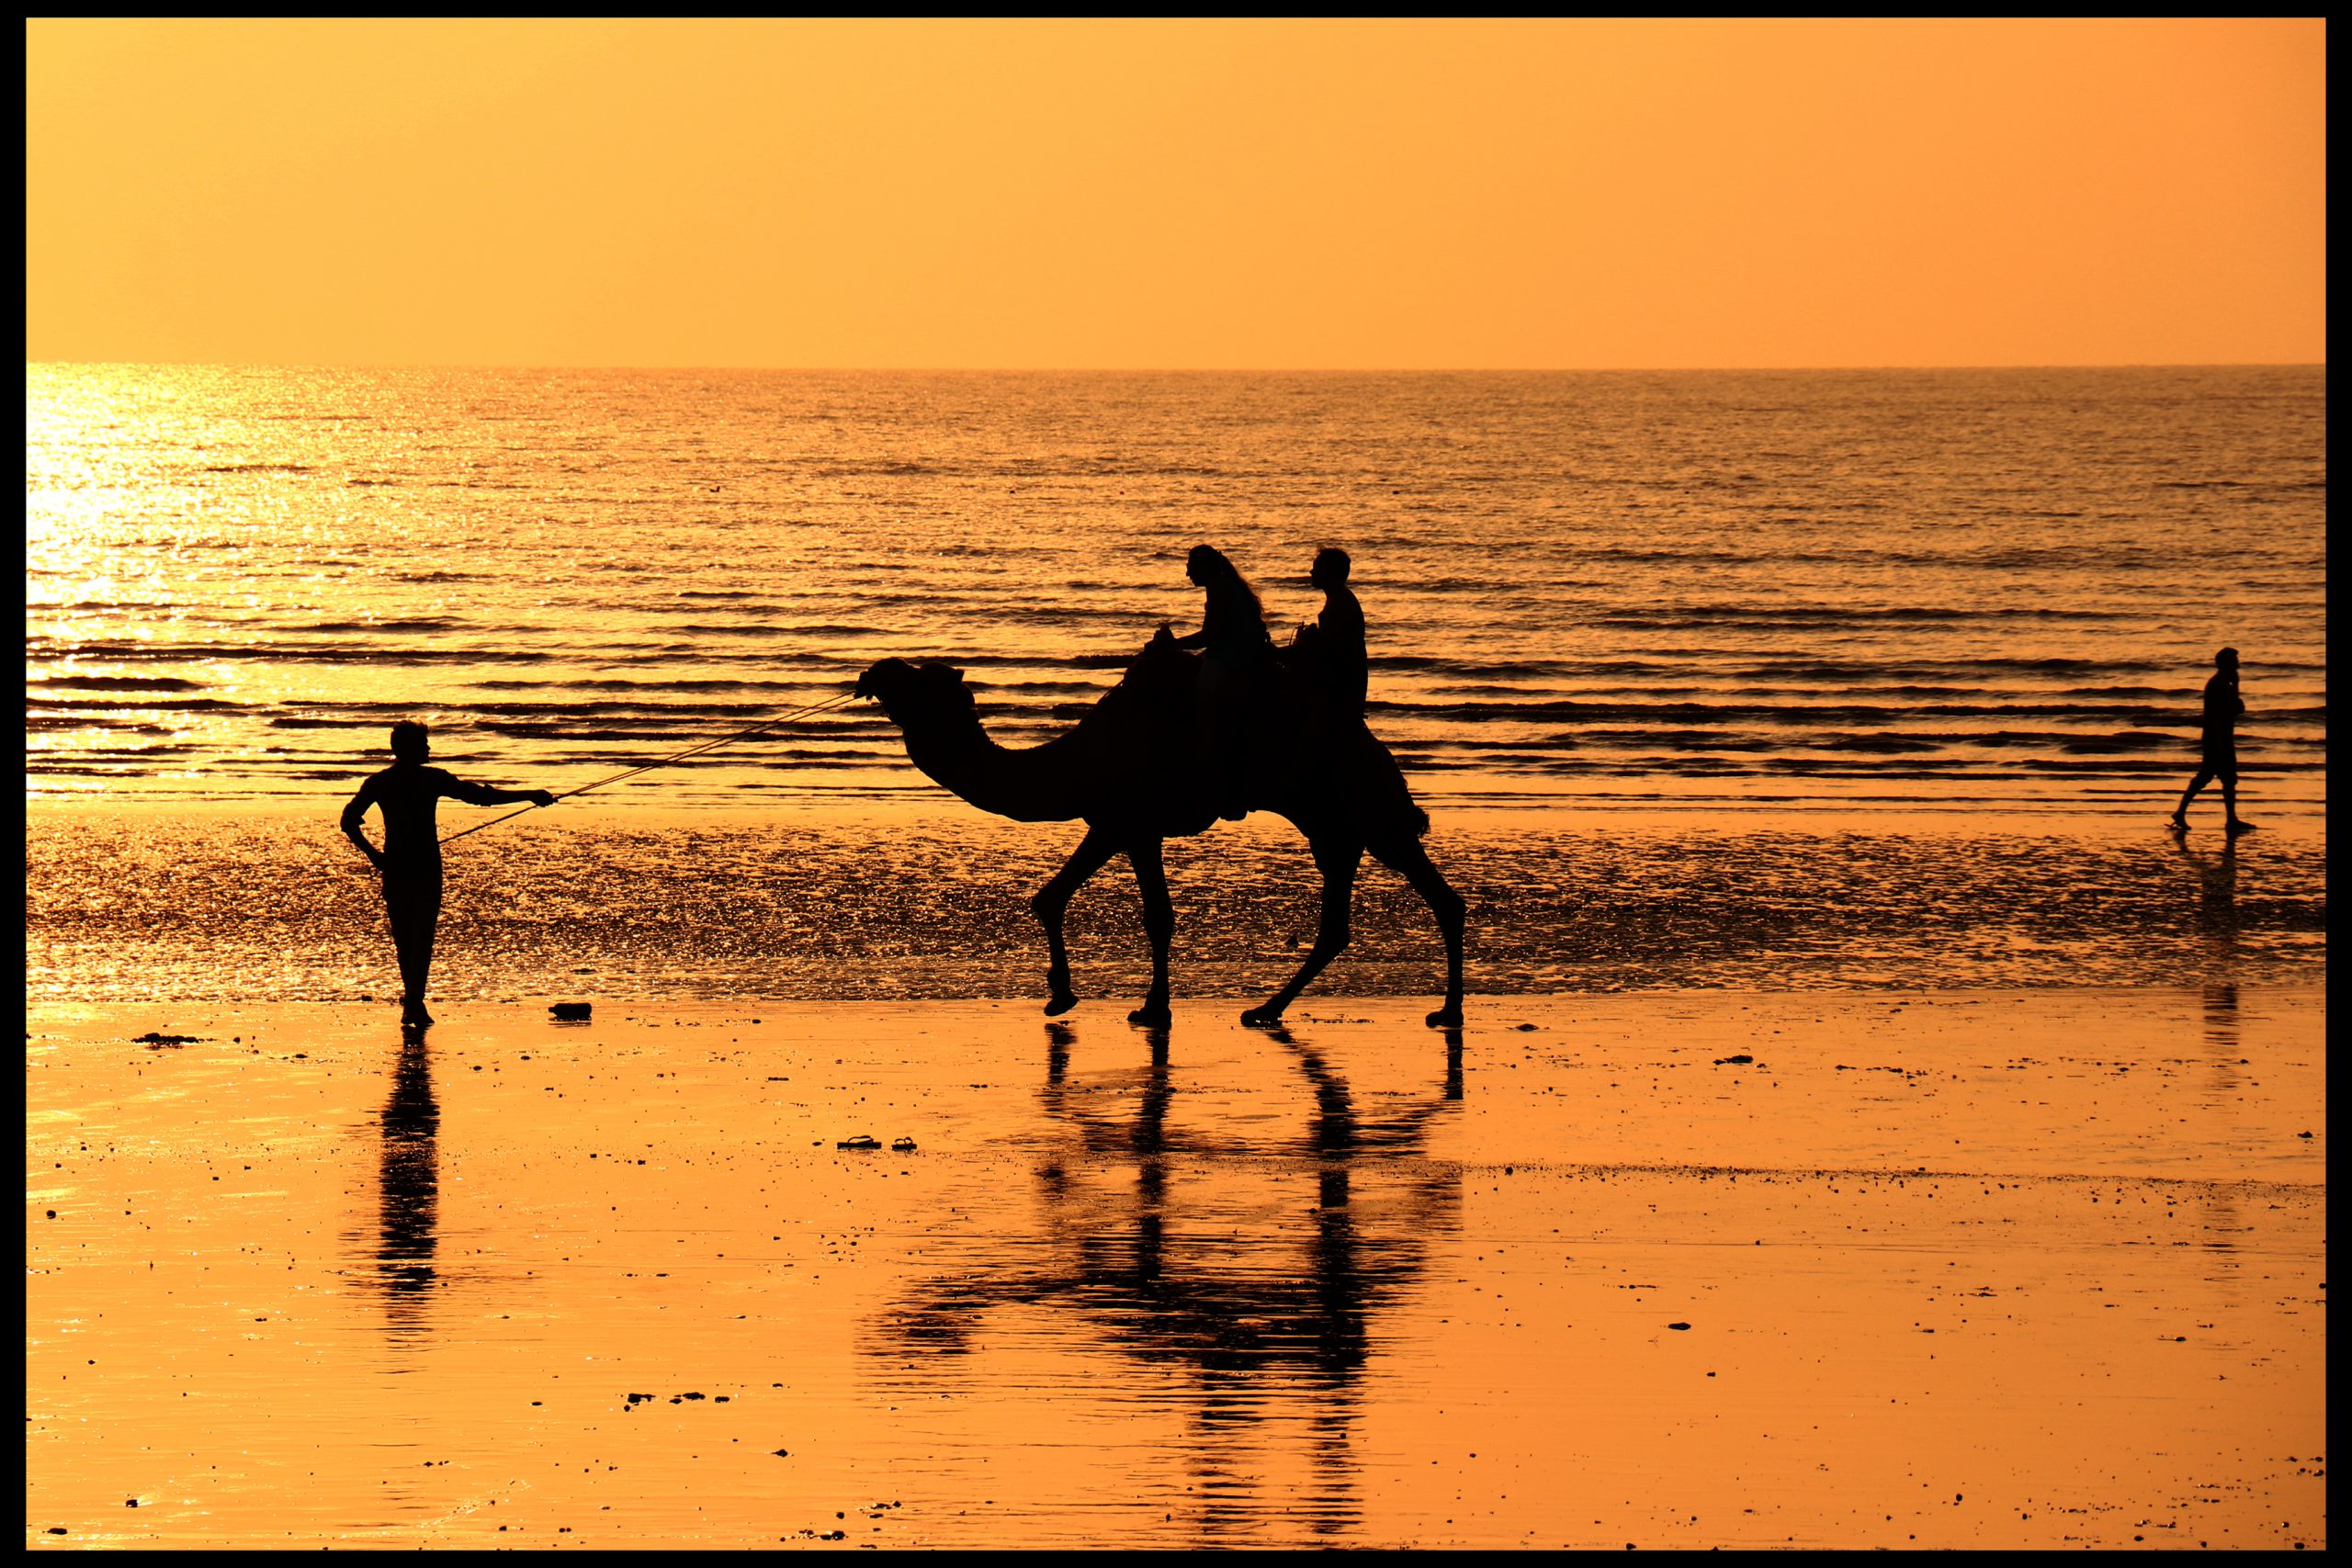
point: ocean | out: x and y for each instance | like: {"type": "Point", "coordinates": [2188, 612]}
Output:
{"type": "Point", "coordinates": [1914, 588]}
{"type": "Point", "coordinates": [1597, 603]}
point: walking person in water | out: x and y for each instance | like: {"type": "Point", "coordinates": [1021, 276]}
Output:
{"type": "Point", "coordinates": [1334, 644]}
{"type": "Point", "coordinates": [1235, 646]}
{"type": "Point", "coordinates": [406, 794]}
{"type": "Point", "coordinates": [2219, 745]}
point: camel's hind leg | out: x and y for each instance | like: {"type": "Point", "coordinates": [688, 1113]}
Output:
{"type": "Point", "coordinates": [1092, 853]}
{"type": "Point", "coordinates": [1158, 924]}
{"type": "Point", "coordinates": [1405, 856]}
{"type": "Point", "coordinates": [1336, 860]}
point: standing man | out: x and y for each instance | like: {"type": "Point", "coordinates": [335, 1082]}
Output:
{"type": "Point", "coordinates": [406, 794]}
{"type": "Point", "coordinates": [2220, 746]}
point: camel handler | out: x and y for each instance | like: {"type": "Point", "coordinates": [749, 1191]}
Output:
{"type": "Point", "coordinates": [406, 792]}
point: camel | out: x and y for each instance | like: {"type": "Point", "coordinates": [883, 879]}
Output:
{"type": "Point", "coordinates": [1132, 771]}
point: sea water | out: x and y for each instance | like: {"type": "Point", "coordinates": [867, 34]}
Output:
{"type": "Point", "coordinates": [1921, 589]}
{"type": "Point", "coordinates": [1680, 663]}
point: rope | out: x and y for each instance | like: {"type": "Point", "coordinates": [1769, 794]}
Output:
{"type": "Point", "coordinates": [662, 762]}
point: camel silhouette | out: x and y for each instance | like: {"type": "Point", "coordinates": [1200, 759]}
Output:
{"type": "Point", "coordinates": [1132, 770]}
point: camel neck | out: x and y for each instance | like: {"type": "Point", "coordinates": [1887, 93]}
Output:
{"type": "Point", "coordinates": [1032, 783]}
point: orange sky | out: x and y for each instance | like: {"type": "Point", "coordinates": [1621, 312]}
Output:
{"type": "Point", "coordinates": [1215, 194]}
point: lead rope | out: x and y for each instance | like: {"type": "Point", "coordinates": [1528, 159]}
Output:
{"type": "Point", "coordinates": [830, 703]}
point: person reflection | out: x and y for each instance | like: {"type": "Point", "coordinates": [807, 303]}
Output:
{"type": "Point", "coordinates": [2219, 933]}
{"type": "Point", "coordinates": [1188, 1252]}
{"type": "Point", "coordinates": [409, 1187]}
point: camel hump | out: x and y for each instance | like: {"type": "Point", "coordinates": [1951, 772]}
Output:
{"type": "Point", "coordinates": [1291, 736]}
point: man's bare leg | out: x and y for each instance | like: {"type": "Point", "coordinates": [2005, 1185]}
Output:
{"type": "Point", "coordinates": [2231, 822]}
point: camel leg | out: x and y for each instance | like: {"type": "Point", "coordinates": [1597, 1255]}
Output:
{"type": "Point", "coordinates": [1158, 924]}
{"type": "Point", "coordinates": [1407, 857]}
{"type": "Point", "coordinates": [1336, 860]}
{"type": "Point", "coordinates": [1093, 851]}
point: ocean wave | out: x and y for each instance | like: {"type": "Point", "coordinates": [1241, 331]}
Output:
{"type": "Point", "coordinates": [141, 704]}
{"type": "Point", "coordinates": [417, 624]}
{"type": "Point", "coordinates": [650, 686]}
{"type": "Point", "coordinates": [1826, 616]}
{"type": "Point", "coordinates": [293, 653]}
{"type": "Point", "coordinates": [116, 683]}
{"type": "Point", "coordinates": [822, 628]}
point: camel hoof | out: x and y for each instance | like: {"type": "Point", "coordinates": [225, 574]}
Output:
{"type": "Point", "coordinates": [1060, 1002]}
{"type": "Point", "coordinates": [1262, 1017]}
{"type": "Point", "coordinates": [1151, 1017]}
{"type": "Point", "coordinates": [1446, 1018]}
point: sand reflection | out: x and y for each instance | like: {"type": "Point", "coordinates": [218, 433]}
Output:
{"type": "Point", "coordinates": [1240, 1282]}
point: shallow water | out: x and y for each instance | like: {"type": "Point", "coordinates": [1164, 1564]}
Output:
{"type": "Point", "coordinates": [1961, 1271]}
{"type": "Point", "coordinates": [1720, 589]}
{"type": "Point", "coordinates": [931, 902]}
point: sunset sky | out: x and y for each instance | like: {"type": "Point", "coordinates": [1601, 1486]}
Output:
{"type": "Point", "coordinates": [1177, 194]}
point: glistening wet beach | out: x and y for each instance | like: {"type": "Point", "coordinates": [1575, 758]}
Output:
{"type": "Point", "coordinates": [929, 901]}
{"type": "Point", "coordinates": [1976, 1269]}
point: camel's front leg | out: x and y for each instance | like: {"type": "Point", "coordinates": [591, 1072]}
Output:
{"type": "Point", "coordinates": [1407, 857]}
{"type": "Point", "coordinates": [1158, 924]}
{"type": "Point", "coordinates": [1094, 850]}
{"type": "Point", "coordinates": [1338, 863]}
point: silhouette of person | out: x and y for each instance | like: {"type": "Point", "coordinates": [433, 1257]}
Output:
{"type": "Point", "coordinates": [411, 859]}
{"type": "Point", "coordinates": [1234, 647]}
{"type": "Point", "coordinates": [1334, 643]}
{"type": "Point", "coordinates": [1233, 623]}
{"type": "Point", "coordinates": [2219, 745]}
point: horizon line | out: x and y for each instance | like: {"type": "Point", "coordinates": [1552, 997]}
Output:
{"type": "Point", "coordinates": [1195, 369]}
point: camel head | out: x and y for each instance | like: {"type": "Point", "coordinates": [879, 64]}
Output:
{"type": "Point", "coordinates": [912, 693]}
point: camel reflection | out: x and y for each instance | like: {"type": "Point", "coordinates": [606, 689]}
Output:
{"type": "Point", "coordinates": [409, 1190]}
{"type": "Point", "coordinates": [1190, 1256]}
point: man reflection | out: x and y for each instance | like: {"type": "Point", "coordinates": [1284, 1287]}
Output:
{"type": "Point", "coordinates": [2218, 931]}
{"type": "Point", "coordinates": [409, 1187]}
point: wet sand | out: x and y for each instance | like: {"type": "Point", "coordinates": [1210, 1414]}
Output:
{"type": "Point", "coordinates": [928, 901]}
{"type": "Point", "coordinates": [1671, 1270]}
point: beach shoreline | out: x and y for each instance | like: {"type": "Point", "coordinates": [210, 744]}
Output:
{"type": "Point", "coordinates": [813, 906]}
{"type": "Point", "coordinates": [1993, 1268]}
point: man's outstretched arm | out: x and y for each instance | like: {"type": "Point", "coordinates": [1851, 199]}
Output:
{"type": "Point", "coordinates": [485, 794]}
